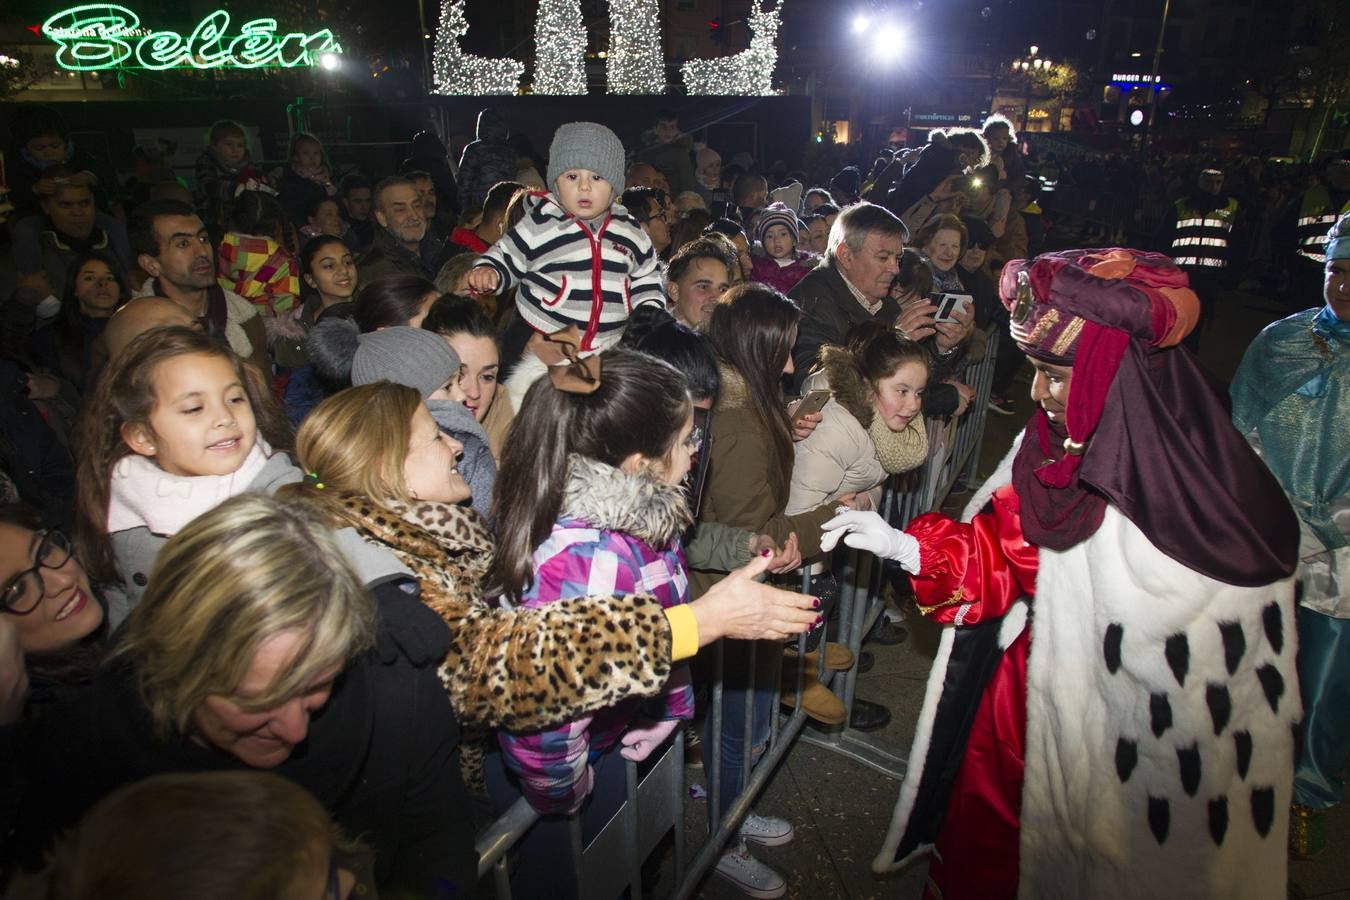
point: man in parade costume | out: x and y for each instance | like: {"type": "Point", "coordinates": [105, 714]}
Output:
{"type": "Point", "coordinates": [1112, 712]}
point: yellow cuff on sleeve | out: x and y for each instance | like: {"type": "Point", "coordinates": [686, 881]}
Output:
{"type": "Point", "coordinates": [683, 632]}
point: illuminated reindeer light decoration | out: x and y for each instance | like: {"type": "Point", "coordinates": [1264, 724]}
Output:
{"type": "Point", "coordinates": [747, 72]}
{"type": "Point", "coordinates": [457, 72]}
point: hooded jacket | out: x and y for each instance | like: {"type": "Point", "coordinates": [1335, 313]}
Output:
{"type": "Point", "coordinates": [743, 489]}
{"type": "Point", "coordinates": [840, 456]}
{"type": "Point", "coordinates": [568, 275]}
{"type": "Point", "coordinates": [486, 161]}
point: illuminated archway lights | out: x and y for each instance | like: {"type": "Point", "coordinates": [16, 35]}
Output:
{"type": "Point", "coordinates": [107, 36]}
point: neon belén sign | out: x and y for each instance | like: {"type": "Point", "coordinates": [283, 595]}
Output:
{"type": "Point", "coordinates": [108, 36]}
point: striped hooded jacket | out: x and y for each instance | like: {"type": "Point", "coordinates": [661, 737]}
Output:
{"type": "Point", "coordinates": [567, 275]}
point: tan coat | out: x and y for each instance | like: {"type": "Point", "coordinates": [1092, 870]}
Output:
{"type": "Point", "coordinates": [838, 458]}
{"type": "Point", "coordinates": [742, 489]}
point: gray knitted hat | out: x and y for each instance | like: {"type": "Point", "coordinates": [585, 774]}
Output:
{"type": "Point", "coordinates": [404, 355]}
{"type": "Point", "coordinates": [586, 145]}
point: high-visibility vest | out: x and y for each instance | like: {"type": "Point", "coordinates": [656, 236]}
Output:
{"type": "Point", "coordinates": [1316, 215]}
{"type": "Point", "coordinates": [1201, 239]}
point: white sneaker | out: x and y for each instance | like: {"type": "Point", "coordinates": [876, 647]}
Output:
{"type": "Point", "coordinates": [767, 831]}
{"type": "Point", "coordinates": [750, 876]}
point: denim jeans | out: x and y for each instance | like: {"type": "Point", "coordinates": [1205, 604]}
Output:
{"type": "Point", "coordinates": [743, 697]}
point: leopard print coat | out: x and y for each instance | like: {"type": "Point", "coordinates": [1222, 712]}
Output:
{"type": "Point", "coordinates": [520, 669]}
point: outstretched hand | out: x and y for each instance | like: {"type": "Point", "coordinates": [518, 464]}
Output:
{"type": "Point", "coordinates": [742, 608]}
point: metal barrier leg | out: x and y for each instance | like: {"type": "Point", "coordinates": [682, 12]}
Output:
{"type": "Point", "coordinates": [712, 747]}
{"type": "Point", "coordinates": [630, 832]}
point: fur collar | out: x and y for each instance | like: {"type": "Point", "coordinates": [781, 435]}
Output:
{"type": "Point", "coordinates": [848, 387]}
{"type": "Point", "coordinates": [605, 497]}
{"type": "Point", "coordinates": [734, 392]}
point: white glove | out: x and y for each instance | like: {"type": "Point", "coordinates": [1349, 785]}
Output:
{"type": "Point", "coordinates": [869, 531]}
{"type": "Point", "coordinates": [48, 307]}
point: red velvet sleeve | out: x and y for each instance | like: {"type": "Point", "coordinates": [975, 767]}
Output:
{"type": "Point", "coordinates": [972, 571]}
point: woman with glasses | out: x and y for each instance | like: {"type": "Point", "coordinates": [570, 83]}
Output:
{"type": "Point", "coordinates": [48, 601]}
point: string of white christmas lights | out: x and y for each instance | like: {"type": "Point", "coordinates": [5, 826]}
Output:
{"type": "Point", "coordinates": [636, 63]}
{"type": "Point", "coordinates": [560, 48]}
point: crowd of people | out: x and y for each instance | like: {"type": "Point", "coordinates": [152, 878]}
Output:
{"type": "Point", "coordinates": [342, 512]}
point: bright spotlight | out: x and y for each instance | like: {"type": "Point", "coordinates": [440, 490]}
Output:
{"type": "Point", "coordinates": [890, 42]}
{"type": "Point", "coordinates": [330, 61]}
{"type": "Point", "coordinates": [860, 24]}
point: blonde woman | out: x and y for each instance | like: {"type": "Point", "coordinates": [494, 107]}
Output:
{"type": "Point", "coordinates": [255, 647]}
{"type": "Point", "coordinates": [377, 463]}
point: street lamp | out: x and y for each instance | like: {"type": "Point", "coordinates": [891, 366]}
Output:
{"type": "Point", "coordinates": [1032, 62]}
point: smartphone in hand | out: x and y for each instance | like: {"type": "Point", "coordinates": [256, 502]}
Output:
{"type": "Point", "coordinates": [813, 402]}
{"type": "Point", "coordinates": [951, 305]}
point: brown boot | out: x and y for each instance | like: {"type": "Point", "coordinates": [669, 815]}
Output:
{"type": "Point", "coordinates": [838, 658]}
{"type": "Point", "coordinates": [818, 701]}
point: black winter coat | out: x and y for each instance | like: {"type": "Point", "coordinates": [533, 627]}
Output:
{"type": "Point", "coordinates": [829, 309]}
{"type": "Point", "coordinates": [381, 756]}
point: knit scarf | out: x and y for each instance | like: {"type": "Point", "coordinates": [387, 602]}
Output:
{"type": "Point", "coordinates": [899, 451]}
{"type": "Point", "coordinates": [142, 495]}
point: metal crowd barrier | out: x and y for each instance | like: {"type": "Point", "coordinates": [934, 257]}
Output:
{"type": "Point", "coordinates": [953, 454]}
{"type": "Point", "coordinates": [612, 862]}
{"type": "Point", "coordinates": [655, 805]}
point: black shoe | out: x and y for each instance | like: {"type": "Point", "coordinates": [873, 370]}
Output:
{"type": "Point", "coordinates": [886, 633]}
{"type": "Point", "coordinates": [868, 716]}
{"type": "Point", "coordinates": [865, 661]}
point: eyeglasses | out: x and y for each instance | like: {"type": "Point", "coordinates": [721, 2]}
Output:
{"type": "Point", "coordinates": [22, 593]}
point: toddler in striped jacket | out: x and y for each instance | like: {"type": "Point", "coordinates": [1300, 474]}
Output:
{"type": "Point", "coordinates": [577, 257]}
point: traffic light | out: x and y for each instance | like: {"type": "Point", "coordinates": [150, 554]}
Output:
{"type": "Point", "coordinates": [716, 31]}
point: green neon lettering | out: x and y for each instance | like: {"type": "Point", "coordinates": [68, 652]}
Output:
{"type": "Point", "coordinates": [90, 36]}
{"type": "Point", "coordinates": [161, 50]}
{"type": "Point", "coordinates": [291, 51]}
{"type": "Point", "coordinates": [102, 36]}
{"type": "Point", "coordinates": [252, 49]}
{"type": "Point", "coordinates": [206, 38]}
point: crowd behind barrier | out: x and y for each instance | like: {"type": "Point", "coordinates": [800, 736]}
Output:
{"type": "Point", "coordinates": [382, 312]}
{"type": "Point", "coordinates": [659, 803]}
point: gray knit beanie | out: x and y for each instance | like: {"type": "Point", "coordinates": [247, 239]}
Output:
{"type": "Point", "coordinates": [404, 355]}
{"type": "Point", "coordinates": [586, 145]}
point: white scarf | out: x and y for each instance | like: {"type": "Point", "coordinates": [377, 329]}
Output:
{"type": "Point", "coordinates": [145, 496]}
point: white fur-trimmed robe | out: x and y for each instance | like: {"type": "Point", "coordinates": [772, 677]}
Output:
{"type": "Point", "coordinates": [1161, 726]}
